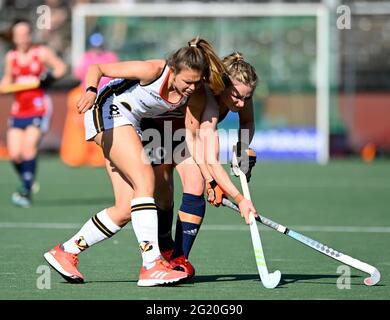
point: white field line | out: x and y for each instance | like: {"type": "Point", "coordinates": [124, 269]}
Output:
{"type": "Point", "coordinates": [206, 227]}
{"type": "Point", "coordinates": [324, 184]}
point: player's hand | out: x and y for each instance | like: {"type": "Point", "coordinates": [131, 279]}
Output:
{"type": "Point", "coordinates": [86, 101]}
{"type": "Point", "coordinates": [246, 158]}
{"type": "Point", "coordinates": [215, 193]}
{"type": "Point", "coordinates": [246, 207]}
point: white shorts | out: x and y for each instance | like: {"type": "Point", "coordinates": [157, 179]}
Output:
{"type": "Point", "coordinates": [107, 114]}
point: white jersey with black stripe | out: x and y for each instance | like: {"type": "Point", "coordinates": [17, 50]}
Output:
{"type": "Point", "coordinates": [123, 102]}
{"type": "Point", "coordinates": [144, 101]}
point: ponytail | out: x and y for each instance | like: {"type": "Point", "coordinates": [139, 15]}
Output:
{"type": "Point", "coordinates": [200, 55]}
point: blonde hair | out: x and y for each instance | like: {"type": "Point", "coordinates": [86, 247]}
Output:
{"type": "Point", "coordinates": [200, 55]}
{"type": "Point", "coordinates": [239, 70]}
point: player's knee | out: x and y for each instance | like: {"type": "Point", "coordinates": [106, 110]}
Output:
{"type": "Point", "coordinates": [29, 153]}
{"type": "Point", "coordinates": [15, 157]}
{"type": "Point", "coordinates": [14, 154]}
{"type": "Point", "coordinates": [193, 204]}
{"type": "Point", "coordinates": [195, 187]}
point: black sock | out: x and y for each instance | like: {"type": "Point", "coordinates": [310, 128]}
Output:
{"type": "Point", "coordinates": [165, 219]}
{"type": "Point", "coordinates": [28, 168]}
{"type": "Point", "coordinates": [18, 168]}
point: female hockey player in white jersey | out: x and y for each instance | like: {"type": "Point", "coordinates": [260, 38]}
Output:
{"type": "Point", "coordinates": [112, 120]}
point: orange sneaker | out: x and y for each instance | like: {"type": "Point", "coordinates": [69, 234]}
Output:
{"type": "Point", "coordinates": [161, 273]}
{"type": "Point", "coordinates": [64, 263]}
{"type": "Point", "coordinates": [182, 264]}
{"type": "Point", "coordinates": [167, 254]}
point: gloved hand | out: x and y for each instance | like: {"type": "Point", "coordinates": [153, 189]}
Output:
{"type": "Point", "coordinates": [46, 80]}
{"type": "Point", "coordinates": [246, 158]}
{"type": "Point", "coordinates": [215, 193]}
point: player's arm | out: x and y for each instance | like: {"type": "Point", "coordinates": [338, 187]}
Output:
{"type": "Point", "coordinates": [193, 115]}
{"type": "Point", "coordinates": [57, 66]}
{"type": "Point", "coordinates": [194, 139]}
{"type": "Point", "coordinates": [210, 143]}
{"type": "Point", "coordinates": [144, 71]}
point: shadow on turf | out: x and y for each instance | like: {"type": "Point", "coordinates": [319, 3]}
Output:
{"type": "Point", "coordinates": [291, 278]}
{"type": "Point", "coordinates": [285, 280]}
{"type": "Point", "coordinates": [73, 202]}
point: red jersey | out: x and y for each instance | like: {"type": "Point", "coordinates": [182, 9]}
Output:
{"type": "Point", "coordinates": [29, 103]}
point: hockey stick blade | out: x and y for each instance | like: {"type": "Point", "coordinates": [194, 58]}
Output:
{"type": "Point", "coordinates": [374, 273]}
{"type": "Point", "coordinates": [374, 279]}
{"type": "Point", "coordinates": [269, 280]}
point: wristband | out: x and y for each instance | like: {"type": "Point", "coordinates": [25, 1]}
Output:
{"type": "Point", "coordinates": [213, 184]}
{"type": "Point", "coordinates": [91, 88]}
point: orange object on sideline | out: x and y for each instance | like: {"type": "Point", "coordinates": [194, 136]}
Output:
{"type": "Point", "coordinates": [74, 150]}
{"type": "Point", "coordinates": [368, 152]}
{"type": "Point", "coordinates": [3, 152]}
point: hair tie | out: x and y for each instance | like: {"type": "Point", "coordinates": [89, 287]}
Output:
{"type": "Point", "coordinates": [193, 45]}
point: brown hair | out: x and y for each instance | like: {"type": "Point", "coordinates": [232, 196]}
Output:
{"type": "Point", "coordinates": [18, 21]}
{"type": "Point", "coordinates": [7, 34]}
{"type": "Point", "coordinates": [200, 55]}
{"type": "Point", "coordinates": [239, 70]}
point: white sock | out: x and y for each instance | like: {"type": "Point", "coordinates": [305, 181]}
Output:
{"type": "Point", "coordinates": [96, 229]}
{"type": "Point", "coordinates": [144, 220]}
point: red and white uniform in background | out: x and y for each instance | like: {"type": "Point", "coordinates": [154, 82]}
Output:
{"type": "Point", "coordinates": [29, 103]}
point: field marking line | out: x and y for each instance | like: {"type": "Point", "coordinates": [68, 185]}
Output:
{"type": "Point", "coordinates": [207, 227]}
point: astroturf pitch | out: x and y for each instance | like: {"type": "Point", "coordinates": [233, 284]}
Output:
{"type": "Point", "coordinates": [344, 205]}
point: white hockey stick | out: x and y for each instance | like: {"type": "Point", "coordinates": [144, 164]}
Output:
{"type": "Point", "coordinates": [375, 275]}
{"type": "Point", "coordinates": [269, 280]}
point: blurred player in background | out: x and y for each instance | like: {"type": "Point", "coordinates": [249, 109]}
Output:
{"type": "Point", "coordinates": [74, 150]}
{"type": "Point", "coordinates": [240, 83]}
{"type": "Point", "coordinates": [31, 110]}
{"type": "Point", "coordinates": [97, 53]}
{"type": "Point", "coordinates": [144, 89]}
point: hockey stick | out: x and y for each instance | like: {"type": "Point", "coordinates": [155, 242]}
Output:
{"type": "Point", "coordinates": [269, 280]}
{"type": "Point", "coordinates": [17, 87]}
{"type": "Point", "coordinates": [375, 276]}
